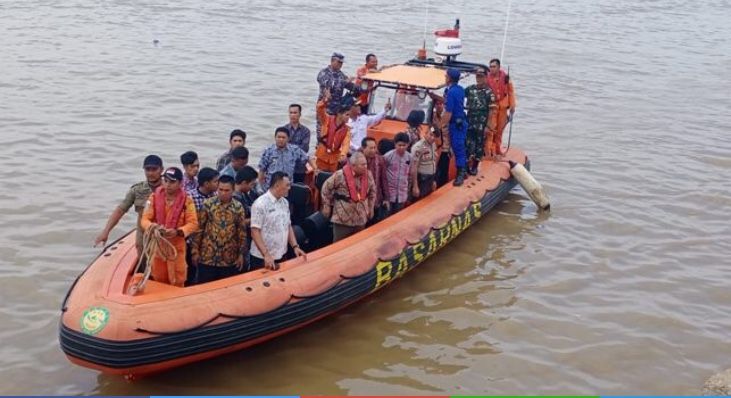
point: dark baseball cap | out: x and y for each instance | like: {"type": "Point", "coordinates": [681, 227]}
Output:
{"type": "Point", "coordinates": [173, 173]}
{"type": "Point", "coordinates": [339, 56]}
{"type": "Point", "coordinates": [152, 161]}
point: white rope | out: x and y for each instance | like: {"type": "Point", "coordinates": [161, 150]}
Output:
{"type": "Point", "coordinates": [505, 34]}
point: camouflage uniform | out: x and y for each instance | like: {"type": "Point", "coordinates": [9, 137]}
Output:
{"type": "Point", "coordinates": [137, 197]}
{"type": "Point", "coordinates": [479, 100]}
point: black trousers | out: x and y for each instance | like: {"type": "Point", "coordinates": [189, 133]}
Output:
{"type": "Point", "coordinates": [443, 169]}
{"type": "Point", "coordinates": [425, 184]}
{"type": "Point", "coordinates": [207, 273]}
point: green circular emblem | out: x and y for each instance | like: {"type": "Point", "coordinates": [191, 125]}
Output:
{"type": "Point", "coordinates": [94, 320]}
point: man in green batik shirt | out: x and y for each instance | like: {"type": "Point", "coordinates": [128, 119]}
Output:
{"type": "Point", "coordinates": [479, 101]}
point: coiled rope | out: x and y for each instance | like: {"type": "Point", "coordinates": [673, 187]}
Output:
{"type": "Point", "coordinates": [153, 244]}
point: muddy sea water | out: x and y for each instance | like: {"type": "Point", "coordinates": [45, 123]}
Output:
{"type": "Point", "coordinates": [624, 110]}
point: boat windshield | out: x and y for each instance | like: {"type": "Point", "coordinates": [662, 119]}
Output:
{"type": "Point", "coordinates": [403, 101]}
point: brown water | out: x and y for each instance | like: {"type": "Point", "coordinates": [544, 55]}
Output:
{"type": "Point", "coordinates": [623, 109]}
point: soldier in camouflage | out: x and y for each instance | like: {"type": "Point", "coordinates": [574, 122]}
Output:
{"type": "Point", "coordinates": [137, 197]}
{"type": "Point", "coordinates": [480, 115]}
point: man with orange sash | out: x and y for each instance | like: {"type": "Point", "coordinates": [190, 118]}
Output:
{"type": "Point", "coordinates": [348, 197]}
{"type": "Point", "coordinates": [502, 88]}
{"type": "Point", "coordinates": [334, 140]}
{"type": "Point", "coordinates": [171, 210]}
{"type": "Point", "coordinates": [371, 65]}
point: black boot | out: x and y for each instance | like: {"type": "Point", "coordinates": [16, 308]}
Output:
{"type": "Point", "coordinates": [460, 177]}
{"type": "Point", "coordinates": [473, 167]}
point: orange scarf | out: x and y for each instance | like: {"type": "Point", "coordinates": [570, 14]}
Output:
{"type": "Point", "coordinates": [171, 218]}
{"type": "Point", "coordinates": [355, 195]}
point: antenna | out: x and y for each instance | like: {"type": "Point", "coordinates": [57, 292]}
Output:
{"type": "Point", "coordinates": [505, 34]}
{"type": "Point", "coordinates": [426, 19]}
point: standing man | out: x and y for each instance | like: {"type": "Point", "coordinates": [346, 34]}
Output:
{"type": "Point", "coordinates": [136, 196]}
{"type": "Point", "coordinates": [281, 156]}
{"type": "Point", "coordinates": [414, 121]}
{"type": "Point", "coordinates": [424, 165]}
{"type": "Point", "coordinates": [237, 138]}
{"type": "Point", "coordinates": [207, 186]}
{"type": "Point", "coordinates": [502, 88]}
{"type": "Point", "coordinates": [332, 79]}
{"type": "Point", "coordinates": [299, 135]}
{"type": "Point", "coordinates": [455, 118]}
{"type": "Point", "coordinates": [377, 167]}
{"type": "Point", "coordinates": [359, 123]}
{"type": "Point", "coordinates": [371, 65]}
{"type": "Point", "coordinates": [246, 195]}
{"type": "Point", "coordinates": [219, 249]}
{"type": "Point", "coordinates": [334, 136]}
{"type": "Point", "coordinates": [173, 212]}
{"type": "Point", "coordinates": [480, 102]}
{"type": "Point", "coordinates": [191, 165]}
{"type": "Point", "coordinates": [245, 192]}
{"type": "Point", "coordinates": [239, 159]}
{"type": "Point", "coordinates": [348, 197]}
{"type": "Point", "coordinates": [271, 227]}
{"type": "Point", "coordinates": [398, 161]}
{"type": "Point", "coordinates": [443, 144]}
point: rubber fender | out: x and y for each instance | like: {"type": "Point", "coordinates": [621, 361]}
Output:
{"type": "Point", "coordinates": [529, 184]}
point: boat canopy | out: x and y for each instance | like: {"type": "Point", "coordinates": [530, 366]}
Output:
{"type": "Point", "coordinates": [425, 77]}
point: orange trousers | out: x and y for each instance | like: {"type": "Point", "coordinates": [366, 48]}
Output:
{"type": "Point", "coordinates": [495, 136]}
{"type": "Point", "coordinates": [162, 271]}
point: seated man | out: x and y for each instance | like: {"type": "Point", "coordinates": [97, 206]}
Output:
{"type": "Point", "coordinates": [218, 250]}
{"type": "Point", "coordinates": [271, 227]}
{"type": "Point", "coordinates": [173, 212]}
{"type": "Point", "coordinates": [348, 197]}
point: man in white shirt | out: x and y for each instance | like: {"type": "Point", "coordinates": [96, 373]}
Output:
{"type": "Point", "coordinates": [359, 124]}
{"type": "Point", "coordinates": [271, 227]}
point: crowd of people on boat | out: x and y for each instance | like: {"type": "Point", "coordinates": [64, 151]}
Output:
{"type": "Point", "coordinates": [234, 218]}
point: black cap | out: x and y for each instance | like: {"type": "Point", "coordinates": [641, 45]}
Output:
{"type": "Point", "coordinates": [173, 173]}
{"type": "Point", "coordinates": [339, 56]}
{"type": "Point", "coordinates": [152, 161]}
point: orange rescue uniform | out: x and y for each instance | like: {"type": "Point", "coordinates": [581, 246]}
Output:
{"type": "Point", "coordinates": [505, 97]}
{"type": "Point", "coordinates": [364, 97]}
{"type": "Point", "coordinates": [328, 159]}
{"type": "Point", "coordinates": [173, 272]}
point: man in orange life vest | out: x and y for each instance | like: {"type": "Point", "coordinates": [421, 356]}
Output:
{"type": "Point", "coordinates": [170, 209]}
{"type": "Point", "coordinates": [371, 65]}
{"type": "Point", "coordinates": [348, 197]}
{"type": "Point", "coordinates": [334, 136]}
{"type": "Point", "coordinates": [502, 88]}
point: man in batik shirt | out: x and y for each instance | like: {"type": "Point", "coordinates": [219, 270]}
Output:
{"type": "Point", "coordinates": [218, 249]}
{"type": "Point", "coordinates": [348, 197]}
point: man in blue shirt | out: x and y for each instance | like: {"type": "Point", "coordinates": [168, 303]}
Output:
{"type": "Point", "coordinates": [455, 116]}
{"type": "Point", "coordinates": [281, 156]}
